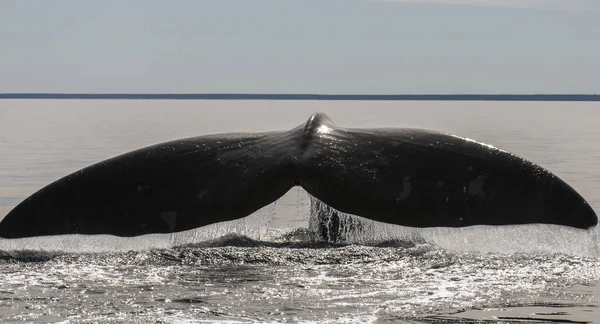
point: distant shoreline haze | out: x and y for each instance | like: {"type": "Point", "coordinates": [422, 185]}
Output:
{"type": "Point", "coordinates": [242, 96]}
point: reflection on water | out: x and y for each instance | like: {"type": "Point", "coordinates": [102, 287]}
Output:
{"type": "Point", "coordinates": [270, 271]}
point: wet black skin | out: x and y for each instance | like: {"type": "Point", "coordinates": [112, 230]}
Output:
{"type": "Point", "coordinates": [407, 177]}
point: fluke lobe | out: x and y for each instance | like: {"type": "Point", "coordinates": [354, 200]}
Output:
{"type": "Point", "coordinates": [407, 177]}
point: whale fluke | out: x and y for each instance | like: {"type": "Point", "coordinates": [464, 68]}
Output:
{"type": "Point", "coordinates": [407, 177]}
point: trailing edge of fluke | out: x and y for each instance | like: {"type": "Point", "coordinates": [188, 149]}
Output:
{"type": "Point", "coordinates": [408, 177]}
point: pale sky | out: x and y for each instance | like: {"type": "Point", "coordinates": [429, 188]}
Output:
{"type": "Point", "coordinates": [300, 46]}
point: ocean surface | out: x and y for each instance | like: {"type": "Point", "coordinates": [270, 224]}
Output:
{"type": "Point", "coordinates": [266, 268]}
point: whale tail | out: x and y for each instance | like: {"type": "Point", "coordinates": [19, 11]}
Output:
{"type": "Point", "coordinates": [407, 177]}
{"type": "Point", "coordinates": [164, 188]}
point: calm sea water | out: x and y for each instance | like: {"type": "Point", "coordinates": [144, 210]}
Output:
{"type": "Point", "coordinates": [264, 268]}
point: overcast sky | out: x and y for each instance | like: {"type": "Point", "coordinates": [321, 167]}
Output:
{"type": "Point", "coordinates": [303, 46]}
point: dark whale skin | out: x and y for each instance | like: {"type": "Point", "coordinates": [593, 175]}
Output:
{"type": "Point", "coordinates": [407, 177]}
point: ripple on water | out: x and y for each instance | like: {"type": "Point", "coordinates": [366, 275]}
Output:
{"type": "Point", "coordinates": [286, 282]}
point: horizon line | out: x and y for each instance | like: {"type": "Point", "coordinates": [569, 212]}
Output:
{"type": "Point", "coordinates": [301, 96]}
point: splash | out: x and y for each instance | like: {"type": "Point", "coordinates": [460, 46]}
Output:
{"type": "Point", "coordinates": [331, 225]}
{"type": "Point", "coordinates": [299, 218]}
